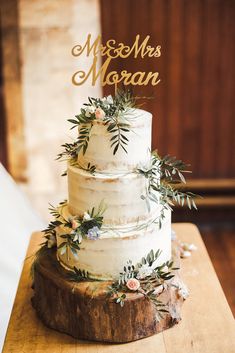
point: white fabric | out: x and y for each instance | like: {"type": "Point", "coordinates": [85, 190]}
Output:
{"type": "Point", "coordinates": [18, 220]}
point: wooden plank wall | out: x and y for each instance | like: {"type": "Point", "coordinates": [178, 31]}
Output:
{"type": "Point", "coordinates": [194, 105]}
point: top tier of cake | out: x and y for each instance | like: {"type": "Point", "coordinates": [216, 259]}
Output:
{"type": "Point", "coordinates": [100, 153]}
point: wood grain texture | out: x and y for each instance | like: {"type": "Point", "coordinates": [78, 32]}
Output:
{"type": "Point", "coordinates": [220, 242]}
{"type": "Point", "coordinates": [207, 325]}
{"type": "Point", "coordinates": [84, 310]}
{"type": "Point", "coordinates": [193, 105]}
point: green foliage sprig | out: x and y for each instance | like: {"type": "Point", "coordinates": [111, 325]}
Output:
{"type": "Point", "coordinates": [71, 242]}
{"type": "Point", "coordinates": [79, 275]}
{"type": "Point", "coordinates": [40, 252]}
{"type": "Point", "coordinates": [84, 137]}
{"type": "Point", "coordinates": [76, 228]}
{"type": "Point", "coordinates": [50, 231]}
{"type": "Point", "coordinates": [79, 227]}
{"type": "Point", "coordinates": [171, 168]}
{"type": "Point", "coordinates": [131, 271]}
{"type": "Point", "coordinates": [149, 276]}
{"type": "Point", "coordinates": [115, 110]}
{"type": "Point", "coordinates": [70, 151]}
{"type": "Point", "coordinates": [162, 175]}
{"type": "Point", "coordinates": [70, 154]}
{"type": "Point", "coordinates": [89, 168]}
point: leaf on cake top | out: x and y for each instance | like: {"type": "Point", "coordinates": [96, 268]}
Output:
{"type": "Point", "coordinates": [112, 111]}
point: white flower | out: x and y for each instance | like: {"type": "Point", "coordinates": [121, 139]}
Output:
{"type": "Point", "coordinates": [144, 271]}
{"type": "Point", "coordinates": [78, 238]}
{"type": "Point", "coordinates": [89, 110]}
{"type": "Point", "coordinates": [86, 216]}
{"type": "Point", "coordinates": [107, 100]}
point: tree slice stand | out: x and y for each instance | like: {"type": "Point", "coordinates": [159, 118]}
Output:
{"type": "Point", "coordinates": [84, 311]}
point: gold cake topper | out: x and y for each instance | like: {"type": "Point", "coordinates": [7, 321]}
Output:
{"type": "Point", "coordinates": [113, 50]}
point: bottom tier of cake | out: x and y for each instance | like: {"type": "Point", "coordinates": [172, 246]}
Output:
{"type": "Point", "coordinates": [105, 257]}
{"type": "Point", "coordinates": [85, 309]}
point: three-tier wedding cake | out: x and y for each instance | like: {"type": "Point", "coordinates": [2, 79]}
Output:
{"type": "Point", "coordinates": [110, 243]}
{"type": "Point", "coordinates": [130, 226]}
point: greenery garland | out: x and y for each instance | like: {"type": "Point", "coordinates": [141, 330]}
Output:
{"type": "Point", "coordinates": [113, 111]}
{"type": "Point", "coordinates": [78, 227]}
{"type": "Point", "coordinates": [163, 174]}
{"type": "Point", "coordinates": [147, 277]}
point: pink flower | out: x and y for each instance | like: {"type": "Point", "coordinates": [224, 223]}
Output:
{"type": "Point", "coordinates": [99, 113]}
{"type": "Point", "coordinates": [74, 224]}
{"type": "Point", "coordinates": [133, 284]}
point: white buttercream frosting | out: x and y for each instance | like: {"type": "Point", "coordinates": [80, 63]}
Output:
{"type": "Point", "coordinates": [121, 194]}
{"type": "Point", "coordinates": [104, 258]}
{"type": "Point", "coordinates": [129, 230]}
{"type": "Point", "coordinates": [100, 152]}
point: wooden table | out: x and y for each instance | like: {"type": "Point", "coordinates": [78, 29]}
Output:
{"type": "Point", "coordinates": [207, 326]}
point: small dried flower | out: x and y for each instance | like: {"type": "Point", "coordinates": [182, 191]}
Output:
{"type": "Point", "coordinates": [99, 113]}
{"type": "Point", "coordinates": [144, 271]}
{"type": "Point", "coordinates": [93, 233]}
{"type": "Point", "coordinates": [86, 216]}
{"type": "Point", "coordinates": [107, 100]}
{"type": "Point", "coordinates": [133, 284]}
{"type": "Point", "coordinates": [89, 111]}
{"type": "Point", "coordinates": [75, 224]}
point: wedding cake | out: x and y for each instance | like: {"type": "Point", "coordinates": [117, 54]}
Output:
{"type": "Point", "coordinates": [130, 227]}
{"type": "Point", "coordinates": [110, 242]}
{"type": "Point", "coordinates": [119, 193]}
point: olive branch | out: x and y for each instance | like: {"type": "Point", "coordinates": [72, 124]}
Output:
{"type": "Point", "coordinates": [157, 276]}
{"type": "Point", "coordinates": [162, 175]}
{"type": "Point", "coordinates": [115, 109]}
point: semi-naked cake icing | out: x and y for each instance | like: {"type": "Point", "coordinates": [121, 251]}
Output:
{"type": "Point", "coordinates": [105, 271]}
{"type": "Point", "coordinates": [100, 154]}
{"type": "Point", "coordinates": [115, 248]}
{"type": "Point", "coordinates": [130, 227]}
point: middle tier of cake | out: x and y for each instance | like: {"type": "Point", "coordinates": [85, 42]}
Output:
{"type": "Point", "coordinates": [122, 195]}
{"type": "Point", "coordinates": [105, 257]}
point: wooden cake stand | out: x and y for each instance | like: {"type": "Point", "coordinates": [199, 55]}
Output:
{"type": "Point", "coordinates": [85, 311]}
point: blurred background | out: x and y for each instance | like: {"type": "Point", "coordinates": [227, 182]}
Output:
{"type": "Point", "coordinates": [193, 106]}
